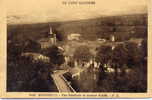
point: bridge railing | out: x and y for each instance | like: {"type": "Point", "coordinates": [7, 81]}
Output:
{"type": "Point", "coordinates": [56, 83]}
{"type": "Point", "coordinates": [71, 88]}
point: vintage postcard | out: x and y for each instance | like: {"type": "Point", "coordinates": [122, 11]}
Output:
{"type": "Point", "coordinates": [75, 49]}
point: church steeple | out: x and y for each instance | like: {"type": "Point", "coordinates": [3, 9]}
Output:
{"type": "Point", "coordinates": [51, 32]}
{"type": "Point", "coordinates": [52, 36]}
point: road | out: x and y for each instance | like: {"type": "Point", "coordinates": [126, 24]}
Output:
{"type": "Point", "coordinates": [60, 82]}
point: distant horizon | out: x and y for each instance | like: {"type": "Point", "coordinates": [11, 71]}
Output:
{"type": "Point", "coordinates": [73, 19]}
{"type": "Point", "coordinates": [33, 11]}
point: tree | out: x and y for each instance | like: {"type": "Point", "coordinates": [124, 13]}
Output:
{"type": "Point", "coordinates": [144, 47]}
{"type": "Point", "coordinates": [31, 46]}
{"type": "Point", "coordinates": [144, 58]}
{"type": "Point", "coordinates": [103, 56]}
{"type": "Point", "coordinates": [56, 56]}
{"type": "Point", "coordinates": [134, 54]}
{"type": "Point", "coordinates": [82, 54]}
{"type": "Point", "coordinates": [14, 50]}
{"type": "Point", "coordinates": [59, 35]}
{"type": "Point", "coordinates": [71, 63]}
{"type": "Point", "coordinates": [119, 58]}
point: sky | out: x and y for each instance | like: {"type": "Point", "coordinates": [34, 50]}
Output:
{"type": "Point", "coordinates": [33, 11]}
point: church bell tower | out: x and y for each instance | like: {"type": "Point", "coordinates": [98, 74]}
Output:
{"type": "Point", "coordinates": [52, 37]}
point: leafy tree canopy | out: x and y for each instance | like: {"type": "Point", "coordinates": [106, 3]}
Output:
{"type": "Point", "coordinates": [82, 53]}
{"type": "Point", "coordinates": [56, 56]}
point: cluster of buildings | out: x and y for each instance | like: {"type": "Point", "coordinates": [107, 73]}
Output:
{"type": "Point", "coordinates": [77, 67]}
{"type": "Point", "coordinates": [36, 57]}
{"type": "Point", "coordinates": [50, 40]}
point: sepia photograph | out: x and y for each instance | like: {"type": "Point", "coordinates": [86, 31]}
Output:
{"type": "Point", "coordinates": [92, 46]}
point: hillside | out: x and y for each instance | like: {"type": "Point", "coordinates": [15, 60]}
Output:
{"type": "Point", "coordinates": [125, 27]}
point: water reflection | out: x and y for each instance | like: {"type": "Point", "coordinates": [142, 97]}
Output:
{"type": "Point", "coordinates": [87, 80]}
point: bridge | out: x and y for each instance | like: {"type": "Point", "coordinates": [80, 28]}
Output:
{"type": "Point", "coordinates": [61, 83]}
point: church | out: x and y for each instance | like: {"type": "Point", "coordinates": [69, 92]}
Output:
{"type": "Point", "coordinates": [49, 41]}
{"type": "Point", "coordinates": [52, 37]}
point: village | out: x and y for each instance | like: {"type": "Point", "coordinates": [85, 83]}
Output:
{"type": "Point", "coordinates": [72, 67]}
{"type": "Point", "coordinates": [94, 55]}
